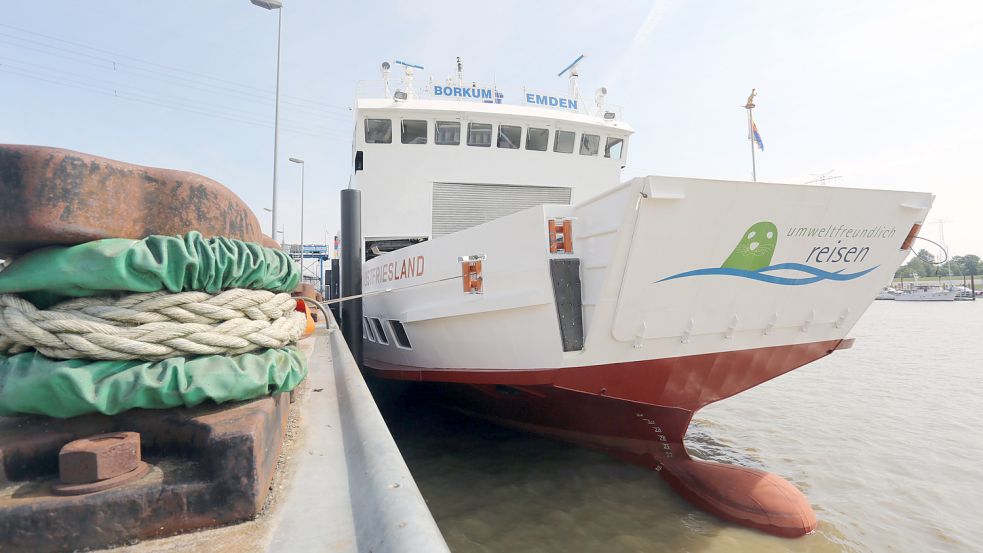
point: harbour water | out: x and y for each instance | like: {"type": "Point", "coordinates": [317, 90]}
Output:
{"type": "Point", "coordinates": [883, 438]}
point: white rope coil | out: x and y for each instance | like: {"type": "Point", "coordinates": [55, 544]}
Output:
{"type": "Point", "coordinates": [151, 326]}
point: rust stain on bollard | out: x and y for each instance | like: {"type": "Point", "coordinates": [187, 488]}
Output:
{"type": "Point", "coordinates": [92, 487]}
{"type": "Point", "coordinates": [53, 196]}
{"type": "Point", "coordinates": [98, 457]}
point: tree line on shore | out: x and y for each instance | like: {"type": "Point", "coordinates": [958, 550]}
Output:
{"type": "Point", "coordinates": [925, 265]}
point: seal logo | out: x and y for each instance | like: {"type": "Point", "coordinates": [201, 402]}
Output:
{"type": "Point", "coordinates": [755, 249]}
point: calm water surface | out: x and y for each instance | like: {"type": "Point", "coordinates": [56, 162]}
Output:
{"type": "Point", "coordinates": [886, 440]}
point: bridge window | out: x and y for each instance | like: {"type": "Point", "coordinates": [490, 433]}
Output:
{"type": "Point", "coordinates": [479, 134]}
{"type": "Point", "coordinates": [589, 143]}
{"type": "Point", "coordinates": [448, 133]}
{"type": "Point", "coordinates": [563, 142]}
{"type": "Point", "coordinates": [536, 139]}
{"type": "Point", "coordinates": [509, 136]}
{"type": "Point", "coordinates": [378, 131]}
{"type": "Point", "coordinates": [613, 147]}
{"type": "Point", "coordinates": [414, 132]}
{"type": "Point", "coordinates": [399, 333]}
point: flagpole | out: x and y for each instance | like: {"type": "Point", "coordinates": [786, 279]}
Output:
{"type": "Point", "coordinates": [750, 132]}
{"type": "Point", "coordinates": [750, 136]}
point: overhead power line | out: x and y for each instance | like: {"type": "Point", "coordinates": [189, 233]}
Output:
{"type": "Point", "coordinates": [116, 56]}
{"type": "Point", "coordinates": [117, 68]}
{"type": "Point", "coordinates": [122, 74]}
{"type": "Point", "coordinates": [117, 90]}
{"type": "Point", "coordinates": [165, 104]}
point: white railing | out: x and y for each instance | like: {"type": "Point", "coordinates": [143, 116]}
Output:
{"type": "Point", "coordinates": [482, 93]}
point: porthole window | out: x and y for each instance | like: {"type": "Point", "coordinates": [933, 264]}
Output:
{"type": "Point", "coordinates": [479, 134]}
{"type": "Point", "coordinates": [536, 139]}
{"type": "Point", "coordinates": [563, 142]}
{"type": "Point", "coordinates": [399, 334]}
{"type": "Point", "coordinates": [380, 332]}
{"type": "Point", "coordinates": [367, 328]}
{"type": "Point", "coordinates": [378, 131]}
{"type": "Point", "coordinates": [448, 133]}
{"type": "Point", "coordinates": [509, 136]}
{"type": "Point", "coordinates": [613, 147]}
{"type": "Point", "coordinates": [414, 132]}
{"type": "Point", "coordinates": [589, 144]}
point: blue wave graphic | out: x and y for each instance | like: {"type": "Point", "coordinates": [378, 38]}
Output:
{"type": "Point", "coordinates": [817, 274]}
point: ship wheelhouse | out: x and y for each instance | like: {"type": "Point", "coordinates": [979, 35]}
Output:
{"type": "Point", "coordinates": [431, 167]}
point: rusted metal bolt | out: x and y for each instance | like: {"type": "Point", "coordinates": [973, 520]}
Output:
{"type": "Point", "coordinates": [99, 457]}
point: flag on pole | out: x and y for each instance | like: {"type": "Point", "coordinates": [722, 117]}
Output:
{"type": "Point", "coordinates": [757, 137]}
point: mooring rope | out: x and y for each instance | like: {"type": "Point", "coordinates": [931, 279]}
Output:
{"type": "Point", "coordinates": [151, 326]}
{"type": "Point", "coordinates": [184, 307]}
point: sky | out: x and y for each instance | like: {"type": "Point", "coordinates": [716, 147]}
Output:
{"type": "Point", "coordinates": [885, 94]}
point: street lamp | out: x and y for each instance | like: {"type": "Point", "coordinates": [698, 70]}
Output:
{"type": "Point", "coordinates": [275, 5]}
{"type": "Point", "coordinates": [301, 162]}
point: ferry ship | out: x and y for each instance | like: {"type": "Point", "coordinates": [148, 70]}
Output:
{"type": "Point", "coordinates": [527, 284]}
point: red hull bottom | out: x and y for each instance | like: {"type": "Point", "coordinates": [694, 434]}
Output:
{"type": "Point", "coordinates": [639, 412]}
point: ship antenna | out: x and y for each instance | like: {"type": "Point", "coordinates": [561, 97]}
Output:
{"type": "Point", "coordinates": [823, 178]}
{"type": "Point", "coordinates": [408, 78]}
{"type": "Point", "coordinates": [460, 72]}
{"type": "Point", "coordinates": [572, 68]}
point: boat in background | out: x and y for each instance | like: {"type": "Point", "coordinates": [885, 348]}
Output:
{"type": "Point", "coordinates": [511, 272]}
{"type": "Point", "coordinates": [964, 293]}
{"type": "Point", "coordinates": [887, 293]}
{"type": "Point", "coordinates": [928, 293]}
{"type": "Point", "coordinates": [937, 292]}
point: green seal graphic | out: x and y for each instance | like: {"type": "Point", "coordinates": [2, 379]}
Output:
{"type": "Point", "coordinates": [755, 249]}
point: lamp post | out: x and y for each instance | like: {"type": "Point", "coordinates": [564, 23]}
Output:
{"type": "Point", "coordinates": [275, 5]}
{"type": "Point", "coordinates": [301, 162]}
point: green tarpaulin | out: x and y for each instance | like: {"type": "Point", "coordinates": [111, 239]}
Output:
{"type": "Point", "coordinates": [33, 384]}
{"type": "Point", "coordinates": [173, 263]}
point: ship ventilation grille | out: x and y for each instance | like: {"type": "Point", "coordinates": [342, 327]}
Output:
{"type": "Point", "coordinates": [457, 206]}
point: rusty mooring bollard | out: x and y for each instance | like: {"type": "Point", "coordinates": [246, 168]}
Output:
{"type": "Point", "coordinates": [52, 196]}
{"type": "Point", "coordinates": [99, 463]}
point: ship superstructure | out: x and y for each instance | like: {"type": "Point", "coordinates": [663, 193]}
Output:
{"type": "Point", "coordinates": [452, 155]}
